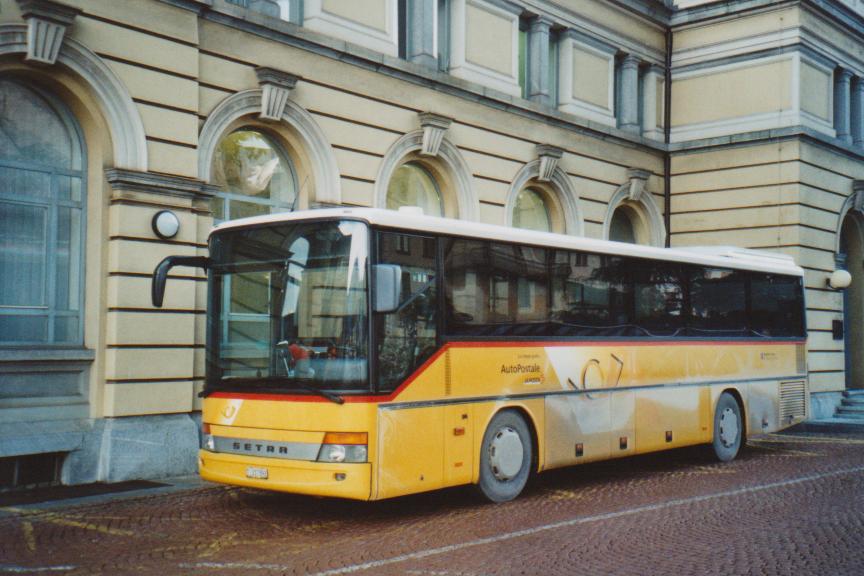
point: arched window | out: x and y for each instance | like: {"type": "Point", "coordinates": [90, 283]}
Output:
{"type": "Point", "coordinates": [413, 185]}
{"type": "Point", "coordinates": [254, 174]}
{"type": "Point", "coordinates": [623, 228]}
{"type": "Point", "coordinates": [42, 221]}
{"type": "Point", "coordinates": [532, 211]}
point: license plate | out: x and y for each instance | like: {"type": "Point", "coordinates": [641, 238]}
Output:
{"type": "Point", "coordinates": [256, 473]}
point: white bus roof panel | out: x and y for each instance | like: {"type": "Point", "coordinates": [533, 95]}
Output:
{"type": "Point", "coordinates": [410, 221]}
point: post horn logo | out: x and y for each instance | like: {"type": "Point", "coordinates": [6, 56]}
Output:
{"type": "Point", "coordinates": [229, 411]}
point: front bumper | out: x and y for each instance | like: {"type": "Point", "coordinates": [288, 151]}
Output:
{"type": "Point", "coordinates": [296, 476]}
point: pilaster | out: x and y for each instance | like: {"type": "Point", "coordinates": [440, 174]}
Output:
{"type": "Point", "coordinates": [653, 75]}
{"type": "Point", "coordinates": [628, 118]}
{"type": "Point", "coordinates": [421, 33]}
{"type": "Point", "coordinates": [539, 89]}
{"type": "Point", "coordinates": [842, 93]}
{"type": "Point", "coordinates": [857, 112]}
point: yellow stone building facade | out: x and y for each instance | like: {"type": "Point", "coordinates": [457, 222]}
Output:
{"type": "Point", "coordinates": [722, 123]}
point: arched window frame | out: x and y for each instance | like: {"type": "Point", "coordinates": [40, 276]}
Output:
{"type": "Point", "coordinates": [449, 168]}
{"type": "Point", "coordinates": [284, 155]}
{"type": "Point", "coordinates": [52, 206]}
{"type": "Point", "coordinates": [322, 184]}
{"type": "Point", "coordinates": [648, 223]}
{"type": "Point", "coordinates": [560, 193]}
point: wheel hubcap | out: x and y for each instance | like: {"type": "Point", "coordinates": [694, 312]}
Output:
{"type": "Point", "coordinates": [505, 454]}
{"type": "Point", "coordinates": [728, 427]}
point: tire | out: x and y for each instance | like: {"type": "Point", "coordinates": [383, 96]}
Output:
{"type": "Point", "coordinates": [505, 457]}
{"type": "Point", "coordinates": [728, 428]}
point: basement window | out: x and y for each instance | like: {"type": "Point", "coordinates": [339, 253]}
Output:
{"type": "Point", "coordinates": [31, 471]}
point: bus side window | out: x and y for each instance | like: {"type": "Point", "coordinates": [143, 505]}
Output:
{"type": "Point", "coordinates": [776, 305]}
{"type": "Point", "coordinates": [659, 297]}
{"type": "Point", "coordinates": [495, 289]}
{"type": "Point", "coordinates": [466, 281]}
{"type": "Point", "coordinates": [718, 302]}
{"type": "Point", "coordinates": [590, 295]}
{"type": "Point", "coordinates": [406, 337]}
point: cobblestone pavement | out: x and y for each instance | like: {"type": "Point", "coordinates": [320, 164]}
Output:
{"type": "Point", "coordinates": [791, 504]}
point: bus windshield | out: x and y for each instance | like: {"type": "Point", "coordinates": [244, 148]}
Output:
{"type": "Point", "coordinates": [288, 308]}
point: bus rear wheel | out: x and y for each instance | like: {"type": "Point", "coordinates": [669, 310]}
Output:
{"type": "Point", "coordinates": [728, 428]}
{"type": "Point", "coordinates": [505, 457]}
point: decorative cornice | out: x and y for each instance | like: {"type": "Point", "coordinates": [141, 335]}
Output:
{"type": "Point", "coordinates": [197, 6]}
{"type": "Point", "coordinates": [47, 22]}
{"type": "Point", "coordinates": [548, 156]}
{"type": "Point", "coordinates": [433, 126]}
{"type": "Point", "coordinates": [591, 41]}
{"type": "Point", "coordinates": [276, 87]}
{"type": "Point", "coordinates": [177, 186]}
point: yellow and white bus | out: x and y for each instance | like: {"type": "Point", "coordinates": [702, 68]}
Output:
{"type": "Point", "coordinates": [366, 354]}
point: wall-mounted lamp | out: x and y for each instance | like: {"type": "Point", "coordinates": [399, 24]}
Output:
{"type": "Point", "coordinates": [840, 279]}
{"type": "Point", "coordinates": [165, 224]}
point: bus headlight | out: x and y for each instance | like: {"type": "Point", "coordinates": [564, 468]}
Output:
{"type": "Point", "coordinates": [332, 453]}
{"type": "Point", "coordinates": [209, 443]}
{"type": "Point", "coordinates": [343, 447]}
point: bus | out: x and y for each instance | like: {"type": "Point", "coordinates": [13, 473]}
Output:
{"type": "Point", "coordinates": [365, 353]}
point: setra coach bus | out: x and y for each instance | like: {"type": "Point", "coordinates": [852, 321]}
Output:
{"type": "Point", "coordinates": [366, 354]}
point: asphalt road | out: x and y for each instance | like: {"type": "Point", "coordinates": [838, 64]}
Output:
{"type": "Point", "coordinates": [790, 504]}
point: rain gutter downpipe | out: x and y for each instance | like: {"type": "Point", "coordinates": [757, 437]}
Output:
{"type": "Point", "coordinates": [667, 157]}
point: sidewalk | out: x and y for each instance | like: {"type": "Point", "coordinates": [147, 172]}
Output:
{"type": "Point", "coordinates": [827, 426]}
{"type": "Point", "coordinates": [64, 496]}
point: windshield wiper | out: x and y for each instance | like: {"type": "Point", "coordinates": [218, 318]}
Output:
{"type": "Point", "coordinates": [335, 398]}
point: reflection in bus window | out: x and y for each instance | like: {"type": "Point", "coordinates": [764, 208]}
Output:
{"type": "Point", "coordinates": [590, 294]}
{"type": "Point", "coordinates": [496, 288]}
{"type": "Point", "coordinates": [659, 297]}
{"type": "Point", "coordinates": [775, 303]}
{"type": "Point", "coordinates": [406, 337]}
{"type": "Point", "coordinates": [718, 302]}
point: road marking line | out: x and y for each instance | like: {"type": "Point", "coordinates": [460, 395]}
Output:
{"type": "Point", "coordinates": [781, 439]}
{"type": "Point", "coordinates": [236, 565]}
{"type": "Point", "coordinates": [216, 545]}
{"type": "Point", "coordinates": [7, 569]}
{"type": "Point", "coordinates": [27, 528]}
{"type": "Point", "coordinates": [576, 521]}
{"type": "Point", "coordinates": [62, 520]}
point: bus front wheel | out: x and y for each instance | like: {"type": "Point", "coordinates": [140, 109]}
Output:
{"type": "Point", "coordinates": [505, 457]}
{"type": "Point", "coordinates": [728, 428]}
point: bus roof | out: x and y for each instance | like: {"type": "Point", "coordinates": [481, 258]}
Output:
{"type": "Point", "coordinates": [412, 221]}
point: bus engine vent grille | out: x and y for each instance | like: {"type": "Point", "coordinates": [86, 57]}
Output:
{"type": "Point", "coordinates": [793, 401]}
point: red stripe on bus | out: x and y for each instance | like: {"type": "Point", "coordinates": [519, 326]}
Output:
{"type": "Point", "coordinates": [548, 344]}
{"type": "Point", "coordinates": [534, 344]}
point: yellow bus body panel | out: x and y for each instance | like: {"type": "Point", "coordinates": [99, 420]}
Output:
{"type": "Point", "coordinates": [584, 401]}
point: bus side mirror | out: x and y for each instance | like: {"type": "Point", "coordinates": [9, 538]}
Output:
{"type": "Point", "coordinates": [160, 274]}
{"type": "Point", "coordinates": [388, 287]}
